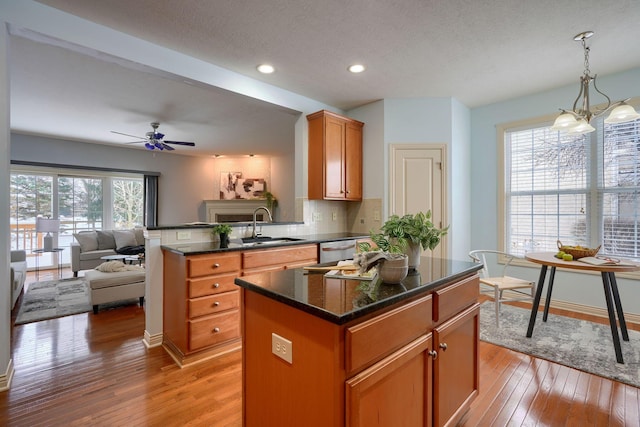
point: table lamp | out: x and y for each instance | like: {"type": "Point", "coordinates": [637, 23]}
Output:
{"type": "Point", "coordinates": [47, 225]}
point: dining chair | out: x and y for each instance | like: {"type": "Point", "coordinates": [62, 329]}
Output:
{"type": "Point", "coordinates": [518, 289]}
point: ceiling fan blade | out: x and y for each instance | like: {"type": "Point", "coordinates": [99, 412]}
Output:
{"type": "Point", "coordinates": [132, 136]}
{"type": "Point", "coordinates": [190, 144]}
{"type": "Point", "coordinates": [167, 147]}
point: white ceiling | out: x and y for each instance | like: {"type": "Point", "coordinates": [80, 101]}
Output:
{"type": "Point", "coordinates": [477, 51]}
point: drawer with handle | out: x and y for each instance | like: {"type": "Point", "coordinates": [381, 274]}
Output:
{"type": "Point", "coordinates": [214, 303]}
{"type": "Point", "coordinates": [214, 329]}
{"type": "Point", "coordinates": [204, 265]}
{"type": "Point", "coordinates": [204, 286]}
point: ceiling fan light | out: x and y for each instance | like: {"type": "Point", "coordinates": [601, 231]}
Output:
{"type": "Point", "coordinates": [564, 122]}
{"type": "Point", "coordinates": [158, 145]}
{"type": "Point", "coordinates": [622, 113]}
{"type": "Point", "coordinates": [581, 128]}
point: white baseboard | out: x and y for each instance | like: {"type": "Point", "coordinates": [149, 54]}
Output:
{"type": "Point", "coordinates": [588, 309]}
{"type": "Point", "coordinates": [5, 379]}
{"type": "Point", "coordinates": [580, 308]}
{"type": "Point", "coordinates": [151, 341]}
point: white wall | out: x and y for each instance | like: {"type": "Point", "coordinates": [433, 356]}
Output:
{"type": "Point", "coordinates": [184, 183]}
{"type": "Point", "coordinates": [576, 288]}
{"type": "Point", "coordinates": [5, 286]}
{"type": "Point", "coordinates": [421, 121]}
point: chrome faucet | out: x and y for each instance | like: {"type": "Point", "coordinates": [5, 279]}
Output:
{"type": "Point", "coordinates": [254, 234]}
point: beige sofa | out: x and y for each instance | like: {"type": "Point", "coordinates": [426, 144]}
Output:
{"type": "Point", "coordinates": [90, 246]}
{"type": "Point", "coordinates": [18, 274]}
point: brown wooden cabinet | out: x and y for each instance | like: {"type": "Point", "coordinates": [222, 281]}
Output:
{"type": "Point", "coordinates": [261, 260]}
{"type": "Point", "coordinates": [201, 309]}
{"type": "Point", "coordinates": [394, 392]}
{"type": "Point", "coordinates": [335, 157]}
{"type": "Point", "coordinates": [456, 373]}
{"type": "Point", "coordinates": [413, 364]}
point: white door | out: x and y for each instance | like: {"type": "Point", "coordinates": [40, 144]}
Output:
{"type": "Point", "coordinates": [417, 184]}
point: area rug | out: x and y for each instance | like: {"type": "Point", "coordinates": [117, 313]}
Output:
{"type": "Point", "coordinates": [53, 298]}
{"type": "Point", "coordinates": [579, 344]}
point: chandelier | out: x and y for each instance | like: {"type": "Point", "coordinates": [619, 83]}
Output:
{"type": "Point", "coordinates": [576, 121]}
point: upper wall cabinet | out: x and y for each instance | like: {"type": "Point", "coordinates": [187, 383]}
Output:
{"type": "Point", "coordinates": [335, 157]}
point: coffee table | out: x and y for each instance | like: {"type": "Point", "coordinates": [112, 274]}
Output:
{"type": "Point", "coordinates": [114, 257]}
{"type": "Point", "coordinates": [131, 259]}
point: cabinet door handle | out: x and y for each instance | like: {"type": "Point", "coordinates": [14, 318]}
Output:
{"type": "Point", "coordinates": [216, 285]}
{"type": "Point", "coordinates": [338, 248]}
{"type": "Point", "coordinates": [216, 329]}
{"type": "Point", "coordinates": [215, 304]}
{"type": "Point", "coordinates": [216, 265]}
{"type": "Point", "coordinates": [443, 346]}
{"type": "Point", "coordinates": [433, 354]}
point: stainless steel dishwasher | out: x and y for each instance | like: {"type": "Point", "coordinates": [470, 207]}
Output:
{"type": "Point", "coordinates": [337, 251]}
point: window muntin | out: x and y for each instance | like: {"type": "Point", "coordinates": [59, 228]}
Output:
{"type": "Point", "coordinates": [576, 189]}
{"type": "Point", "coordinates": [78, 201]}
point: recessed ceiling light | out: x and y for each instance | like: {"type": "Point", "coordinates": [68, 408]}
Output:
{"type": "Point", "coordinates": [266, 68]}
{"type": "Point", "coordinates": [356, 68]}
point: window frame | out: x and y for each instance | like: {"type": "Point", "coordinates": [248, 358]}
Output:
{"type": "Point", "coordinates": [105, 177]}
{"type": "Point", "coordinates": [593, 190]}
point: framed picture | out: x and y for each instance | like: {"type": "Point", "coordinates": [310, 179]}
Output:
{"type": "Point", "coordinates": [233, 186]}
{"type": "Point", "coordinates": [228, 185]}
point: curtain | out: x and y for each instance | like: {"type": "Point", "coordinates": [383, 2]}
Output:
{"type": "Point", "coordinates": [150, 200]}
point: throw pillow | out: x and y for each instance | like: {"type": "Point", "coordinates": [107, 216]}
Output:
{"type": "Point", "coordinates": [88, 240]}
{"type": "Point", "coordinates": [106, 240]}
{"type": "Point", "coordinates": [139, 232]}
{"type": "Point", "coordinates": [115, 266]}
{"type": "Point", "coordinates": [124, 238]}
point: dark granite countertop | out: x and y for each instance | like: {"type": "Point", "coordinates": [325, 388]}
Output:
{"type": "Point", "coordinates": [343, 300]}
{"type": "Point", "coordinates": [197, 248]}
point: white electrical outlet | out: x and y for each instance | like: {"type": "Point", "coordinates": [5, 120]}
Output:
{"type": "Point", "coordinates": [317, 216]}
{"type": "Point", "coordinates": [334, 216]}
{"type": "Point", "coordinates": [183, 235]}
{"type": "Point", "coordinates": [282, 347]}
{"type": "Point", "coordinates": [376, 215]}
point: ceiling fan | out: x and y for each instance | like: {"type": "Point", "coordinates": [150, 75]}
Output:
{"type": "Point", "coordinates": [153, 140]}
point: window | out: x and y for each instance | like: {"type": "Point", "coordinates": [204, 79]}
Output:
{"type": "Point", "coordinates": [581, 190]}
{"type": "Point", "coordinates": [81, 202]}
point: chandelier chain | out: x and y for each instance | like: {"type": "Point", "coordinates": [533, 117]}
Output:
{"type": "Point", "coordinates": [587, 71]}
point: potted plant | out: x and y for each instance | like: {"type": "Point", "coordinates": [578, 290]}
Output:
{"type": "Point", "coordinates": [271, 200]}
{"type": "Point", "coordinates": [389, 256]}
{"type": "Point", "coordinates": [223, 230]}
{"type": "Point", "coordinates": [413, 232]}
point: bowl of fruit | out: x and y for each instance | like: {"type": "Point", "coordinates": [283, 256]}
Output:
{"type": "Point", "coordinates": [569, 253]}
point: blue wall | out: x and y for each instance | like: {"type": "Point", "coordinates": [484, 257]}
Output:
{"type": "Point", "coordinates": [485, 176]}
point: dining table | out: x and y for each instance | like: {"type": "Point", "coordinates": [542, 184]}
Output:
{"type": "Point", "coordinates": [611, 295]}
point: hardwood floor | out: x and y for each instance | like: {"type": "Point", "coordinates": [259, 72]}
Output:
{"type": "Point", "coordinates": [94, 370]}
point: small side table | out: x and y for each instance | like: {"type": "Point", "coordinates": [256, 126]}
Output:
{"type": "Point", "coordinates": [39, 252]}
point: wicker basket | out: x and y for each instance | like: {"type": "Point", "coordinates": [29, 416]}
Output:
{"type": "Point", "coordinates": [578, 253]}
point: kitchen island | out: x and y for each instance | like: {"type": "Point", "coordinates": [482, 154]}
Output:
{"type": "Point", "coordinates": [325, 351]}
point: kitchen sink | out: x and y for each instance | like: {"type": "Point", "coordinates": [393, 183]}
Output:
{"type": "Point", "coordinates": [265, 240]}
